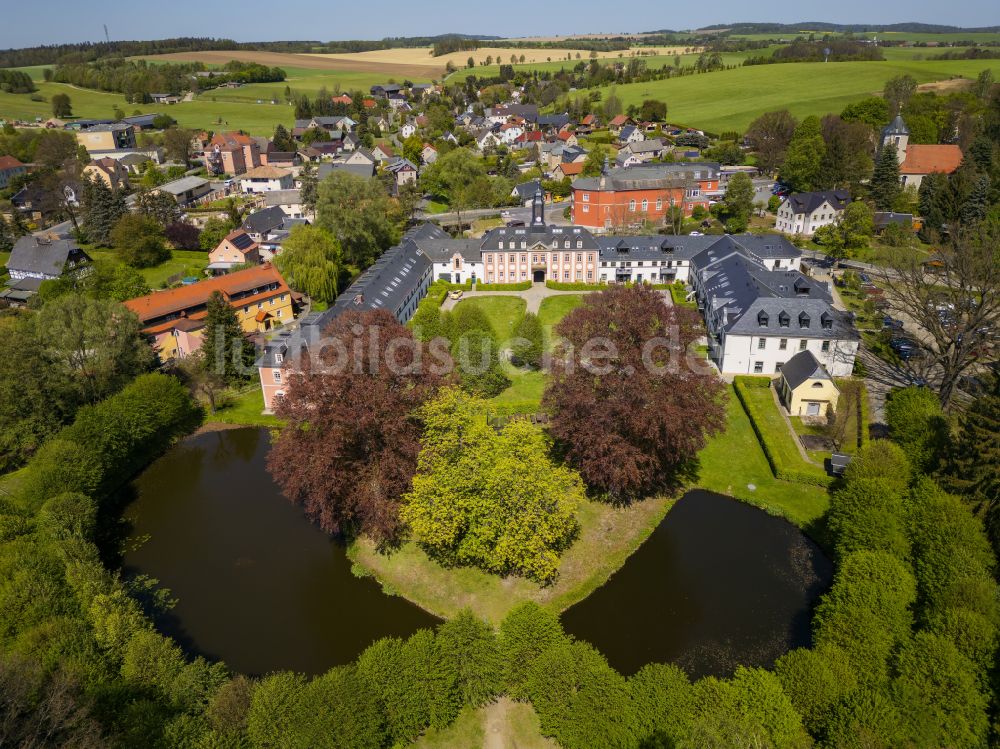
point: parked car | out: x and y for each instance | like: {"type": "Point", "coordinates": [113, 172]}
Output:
{"type": "Point", "coordinates": [515, 222]}
{"type": "Point", "coordinates": [891, 323]}
{"type": "Point", "coordinates": [695, 234]}
{"type": "Point", "coordinates": [904, 348]}
{"type": "Point", "coordinates": [864, 278]}
{"type": "Point", "coordinates": [456, 294]}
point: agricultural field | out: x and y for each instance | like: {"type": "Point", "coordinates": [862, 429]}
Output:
{"type": "Point", "coordinates": [731, 99]}
{"type": "Point", "coordinates": [892, 36]}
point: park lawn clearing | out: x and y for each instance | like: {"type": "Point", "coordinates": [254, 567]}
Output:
{"type": "Point", "coordinates": [181, 263]}
{"type": "Point", "coordinates": [555, 308]}
{"type": "Point", "coordinates": [734, 460]}
{"type": "Point", "coordinates": [503, 313]}
{"type": "Point", "coordinates": [608, 536]}
{"type": "Point", "coordinates": [507, 724]}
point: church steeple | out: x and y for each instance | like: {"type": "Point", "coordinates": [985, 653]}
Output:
{"type": "Point", "coordinates": [538, 209]}
{"type": "Point", "coordinates": [897, 133]}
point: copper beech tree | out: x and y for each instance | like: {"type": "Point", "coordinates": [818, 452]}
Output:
{"type": "Point", "coordinates": [349, 450]}
{"type": "Point", "coordinates": [627, 405]}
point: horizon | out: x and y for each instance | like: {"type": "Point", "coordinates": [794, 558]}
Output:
{"type": "Point", "coordinates": [70, 23]}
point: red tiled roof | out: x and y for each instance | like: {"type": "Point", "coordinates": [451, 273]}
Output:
{"type": "Point", "coordinates": [161, 303]}
{"type": "Point", "coordinates": [9, 162]}
{"type": "Point", "coordinates": [565, 135]}
{"type": "Point", "coordinates": [618, 120]}
{"type": "Point", "coordinates": [921, 159]}
{"type": "Point", "coordinates": [571, 169]}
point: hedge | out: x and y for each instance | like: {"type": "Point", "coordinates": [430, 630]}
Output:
{"type": "Point", "coordinates": [522, 286]}
{"type": "Point", "coordinates": [571, 286]}
{"type": "Point", "coordinates": [812, 476]}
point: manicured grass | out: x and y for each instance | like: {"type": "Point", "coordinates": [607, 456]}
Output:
{"type": "Point", "coordinates": [555, 308]}
{"type": "Point", "coordinates": [525, 385]}
{"type": "Point", "coordinates": [608, 536]}
{"type": "Point", "coordinates": [512, 725]}
{"type": "Point", "coordinates": [778, 434]}
{"type": "Point", "coordinates": [465, 731]}
{"type": "Point", "coordinates": [503, 312]}
{"type": "Point", "coordinates": [678, 294]}
{"type": "Point", "coordinates": [4, 257]}
{"type": "Point", "coordinates": [734, 460]}
{"type": "Point", "coordinates": [244, 408]}
{"type": "Point", "coordinates": [731, 99]}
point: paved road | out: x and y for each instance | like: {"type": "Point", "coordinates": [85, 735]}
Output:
{"type": "Point", "coordinates": [553, 214]}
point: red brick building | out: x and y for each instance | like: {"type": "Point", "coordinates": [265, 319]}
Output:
{"type": "Point", "coordinates": [633, 196]}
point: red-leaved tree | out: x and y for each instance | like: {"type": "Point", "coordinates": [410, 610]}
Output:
{"type": "Point", "coordinates": [626, 404]}
{"type": "Point", "coordinates": [349, 450]}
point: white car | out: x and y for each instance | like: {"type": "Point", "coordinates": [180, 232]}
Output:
{"type": "Point", "coordinates": [695, 234]}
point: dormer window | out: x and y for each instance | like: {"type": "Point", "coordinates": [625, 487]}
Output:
{"type": "Point", "coordinates": [826, 320]}
{"type": "Point", "coordinates": [278, 358]}
{"type": "Point", "coordinates": [803, 320]}
{"type": "Point", "coordinates": [784, 319]}
{"type": "Point", "coordinates": [762, 319]}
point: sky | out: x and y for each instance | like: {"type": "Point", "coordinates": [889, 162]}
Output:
{"type": "Point", "coordinates": [28, 24]}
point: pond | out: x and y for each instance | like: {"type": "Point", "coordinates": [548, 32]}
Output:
{"type": "Point", "coordinates": [718, 584]}
{"type": "Point", "coordinates": [257, 585]}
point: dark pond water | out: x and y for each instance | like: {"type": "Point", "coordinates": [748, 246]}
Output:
{"type": "Point", "coordinates": [257, 585]}
{"type": "Point", "coordinates": [718, 584]}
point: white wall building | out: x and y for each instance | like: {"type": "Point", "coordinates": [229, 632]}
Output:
{"type": "Point", "coordinates": [805, 212]}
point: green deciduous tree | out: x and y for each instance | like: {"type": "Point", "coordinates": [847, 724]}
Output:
{"type": "Point", "coordinates": [472, 652]}
{"type": "Point", "coordinates": [804, 158]}
{"type": "Point", "coordinates": [738, 203]}
{"type": "Point", "coordinates": [311, 262]}
{"type": "Point", "coordinates": [214, 231]}
{"type": "Point", "coordinates": [486, 498]}
{"type": "Point", "coordinates": [769, 136]}
{"type": "Point", "coordinates": [897, 92]}
{"type": "Point", "coordinates": [139, 241]}
{"type": "Point", "coordinates": [61, 105]}
{"type": "Point", "coordinates": [359, 214]}
{"type": "Point", "coordinates": [917, 424]}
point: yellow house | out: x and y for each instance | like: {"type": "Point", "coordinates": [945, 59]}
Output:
{"type": "Point", "coordinates": [113, 137]}
{"type": "Point", "coordinates": [806, 387]}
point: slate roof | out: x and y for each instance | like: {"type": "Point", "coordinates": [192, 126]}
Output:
{"type": "Point", "coordinates": [47, 257]}
{"type": "Point", "coordinates": [896, 127]}
{"type": "Point", "coordinates": [807, 202]}
{"type": "Point", "coordinates": [526, 190]}
{"type": "Point", "coordinates": [182, 185]}
{"type": "Point", "coordinates": [802, 367]}
{"type": "Point", "coordinates": [650, 176]}
{"type": "Point", "coordinates": [361, 170]}
{"type": "Point", "coordinates": [556, 121]}
{"type": "Point", "coordinates": [545, 233]}
{"type": "Point", "coordinates": [264, 220]}
{"type": "Point", "coordinates": [282, 197]}
{"type": "Point", "coordinates": [646, 146]}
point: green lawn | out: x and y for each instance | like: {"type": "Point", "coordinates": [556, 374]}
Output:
{"type": "Point", "coordinates": [244, 408]}
{"type": "Point", "coordinates": [515, 724]}
{"type": "Point", "coordinates": [184, 262]}
{"type": "Point", "coordinates": [503, 312]}
{"type": "Point", "coordinates": [555, 308]}
{"type": "Point", "coordinates": [734, 460]}
{"type": "Point", "coordinates": [4, 257]}
{"type": "Point", "coordinates": [731, 99]}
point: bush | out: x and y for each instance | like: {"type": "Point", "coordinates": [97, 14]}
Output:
{"type": "Point", "coordinates": [525, 633]}
{"type": "Point", "coordinates": [521, 286]}
{"type": "Point", "coordinates": [868, 515]}
{"type": "Point", "coordinates": [69, 515]}
{"type": "Point", "coordinates": [881, 459]}
{"type": "Point", "coordinates": [917, 424]}
{"type": "Point", "coordinates": [527, 346]}
{"type": "Point", "coordinates": [139, 241]}
{"type": "Point", "coordinates": [574, 286]}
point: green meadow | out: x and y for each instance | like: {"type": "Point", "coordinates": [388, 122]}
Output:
{"type": "Point", "coordinates": [731, 99]}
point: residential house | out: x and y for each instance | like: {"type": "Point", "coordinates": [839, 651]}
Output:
{"type": "Point", "coordinates": [428, 154]}
{"type": "Point", "coordinates": [510, 132]}
{"type": "Point", "coordinates": [35, 259]}
{"type": "Point", "coordinates": [631, 134]}
{"type": "Point", "coordinates": [281, 159]}
{"type": "Point", "coordinates": [407, 129]}
{"type": "Point", "coordinates": [266, 179]}
{"type": "Point", "coordinates": [186, 190]}
{"type": "Point", "coordinates": [403, 171]}
{"type": "Point", "coordinates": [918, 160]}
{"type": "Point", "coordinates": [641, 194]}
{"type": "Point", "coordinates": [107, 137]}
{"type": "Point", "coordinates": [109, 171]}
{"type": "Point", "coordinates": [263, 222]}
{"type": "Point", "coordinates": [567, 138]}
{"type": "Point", "coordinates": [384, 90]}
{"type": "Point", "coordinates": [383, 153]}
{"type": "Point", "coordinates": [9, 169]}
{"type": "Point", "coordinates": [396, 283]}
{"type": "Point", "coordinates": [758, 315]}
{"type": "Point", "coordinates": [289, 201]}
{"type": "Point", "coordinates": [486, 139]}
{"type": "Point", "coordinates": [361, 167]}
{"type": "Point", "coordinates": [618, 122]}
{"type": "Point", "coordinates": [166, 98]}
{"type": "Point", "coordinates": [525, 191]}
{"type": "Point", "coordinates": [806, 388]}
{"type": "Point", "coordinates": [571, 169]}
{"type": "Point", "coordinates": [40, 203]}
{"type": "Point", "coordinates": [236, 248]}
{"type": "Point", "coordinates": [805, 212]}
{"type": "Point", "coordinates": [625, 159]}
{"type": "Point", "coordinates": [174, 319]}
{"type": "Point", "coordinates": [647, 150]}
{"type": "Point", "coordinates": [232, 153]}
{"type": "Point", "coordinates": [342, 99]}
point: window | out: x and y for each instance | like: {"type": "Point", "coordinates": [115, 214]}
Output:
{"type": "Point", "coordinates": [566, 245]}
{"type": "Point", "coordinates": [645, 206]}
{"type": "Point", "coordinates": [511, 244]}
{"type": "Point", "coordinates": [778, 366]}
{"type": "Point", "coordinates": [586, 209]}
{"type": "Point", "coordinates": [758, 367]}
{"type": "Point", "coordinates": [784, 320]}
{"type": "Point", "coordinates": [524, 258]}
{"type": "Point", "coordinates": [534, 258]}
{"type": "Point", "coordinates": [590, 275]}
{"type": "Point", "coordinates": [659, 204]}
{"type": "Point", "coordinates": [803, 320]}
{"type": "Point", "coordinates": [783, 344]}
{"type": "Point", "coordinates": [512, 258]}
{"type": "Point", "coordinates": [567, 257]}
{"type": "Point", "coordinates": [761, 343]}
{"type": "Point", "coordinates": [826, 346]}
{"type": "Point", "coordinates": [566, 274]}
{"type": "Point", "coordinates": [586, 197]}
{"type": "Point", "coordinates": [579, 257]}
{"type": "Point", "coordinates": [817, 384]}
{"type": "Point", "coordinates": [762, 319]}
{"type": "Point", "coordinates": [277, 376]}
{"type": "Point", "coordinates": [579, 244]}
{"type": "Point", "coordinates": [631, 206]}
{"type": "Point", "coordinates": [278, 358]}
{"type": "Point", "coordinates": [802, 344]}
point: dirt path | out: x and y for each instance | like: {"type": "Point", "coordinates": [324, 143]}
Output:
{"type": "Point", "coordinates": [288, 60]}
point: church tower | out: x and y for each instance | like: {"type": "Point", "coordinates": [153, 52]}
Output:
{"type": "Point", "coordinates": [538, 209]}
{"type": "Point", "coordinates": [896, 132]}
